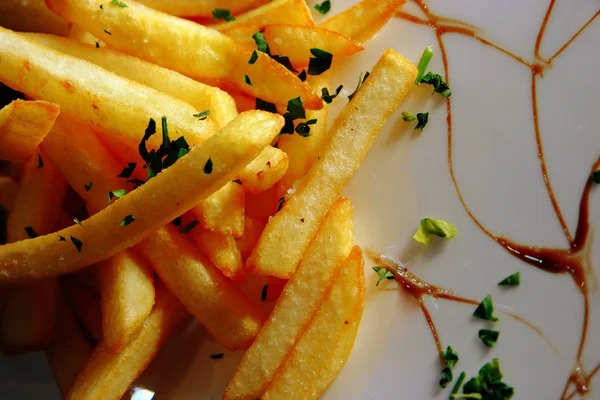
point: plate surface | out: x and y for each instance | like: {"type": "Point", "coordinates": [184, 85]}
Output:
{"type": "Point", "coordinates": [406, 176]}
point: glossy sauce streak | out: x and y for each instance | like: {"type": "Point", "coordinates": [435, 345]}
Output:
{"type": "Point", "coordinates": [572, 261]}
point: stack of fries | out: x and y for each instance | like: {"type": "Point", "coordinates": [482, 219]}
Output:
{"type": "Point", "coordinates": [130, 111]}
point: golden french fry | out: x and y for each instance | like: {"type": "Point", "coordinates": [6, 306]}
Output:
{"type": "Point", "coordinates": [201, 52]}
{"type": "Point", "coordinates": [126, 297]}
{"type": "Point", "coordinates": [70, 348]}
{"type": "Point", "coordinates": [364, 19]}
{"type": "Point", "coordinates": [201, 8]}
{"type": "Point", "coordinates": [77, 33]}
{"type": "Point", "coordinates": [31, 16]}
{"type": "Point", "coordinates": [86, 306]}
{"type": "Point", "coordinates": [8, 190]}
{"type": "Point", "coordinates": [100, 98]}
{"type": "Point", "coordinates": [296, 13]}
{"type": "Point", "coordinates": [253, 227]}
{"type": "Point", "coordinates": [265, 171]}
{"type": "Point", "coordinates": [221, 250]}
{"type": "Point", "coordinates": [223, 211]}
{"type": "Point", "coordinates": [171, 193]}
{"type": "Point", "coordinates": [315, 349]}
{"type": "Point", "coordinates": [23, 125]}
{"type": "Point", "coordinates": [288, 233]}
{"type": "Point", "coordinates": [107, 376]}
{"type": "Point", "coordinates": [298, 303]}
{"type": "Point", "coordinates": [202, 97]}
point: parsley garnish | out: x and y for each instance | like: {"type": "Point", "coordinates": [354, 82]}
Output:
{"type": "Point", "coordinates": [97, 45]}
{"type": "Point", "coordinates": [116, 193]}
{"type": "Point", "coordinates": [105, 31]}
{"type": "Point", "coordinates": [128, 170]}
{"type": "Point", "coordinates": [202, 115]}
{"type": "Point", "coordinates": [438, 83]}
{"type": "Point", "coordinates": [487, 385]}
{"type": "Point", "coordinates": [458, 384]}
{"type": "Point", "coordinates": [263, 294]}
{"type": "Point", "coordinates": [127, 220]}
{"type": "Point", "coordinates": [382, 273]}
{"type": "Point", "coordinates": [511, 280]}
{"type": "Point", "coordinates": [208, 167]}
{"type": "Point", "coordinates": [217, 356]}
{"type": "Point", "coordinates": [302, 75]}
{"type": "Point", "coordinates": [488, 337]}
{"type": "Point", "coordinates": [221, 13]}
{"type": "Point", "coordinates": [261, 42]}
{"type": "Point", "coordinates": [423, 63]}
{"type": "Point", "coordinates": [61, 238]}
{"type": "Point", "coordinates": [280, 205]}
{"type": "Point", "coordinates": [295, 110]}
{"type": "Point", "coordinates": [438, 227]}
{"type": "Point", "coordinates": [101, 7]}
{"type": "Point", "coordinates": [188, 227]}
{"type": "Point", "coordinates": [303, 128]}
{"type": "Point", "coordinates": [595, 176]}
{"type": "Point", "coordinates": [407, 116]}
{"type": "Point", "coordinates": [284, 60]}
{"type": "Point", "coordinates": [422, 119]}
{"type": "Point", "coordinates": [40, 162]}
{"type": "Point", "coordinates": [78, 243]}
{"type": "Point", "coordinates": [253, 57]}
{"type": "Point", "coordinates": [239, 182]}
{"type": "Point", "coordinates": [320, 63]}
{"type": "Point", "coordinates": [30, 232]}
{"type": "Point", "coordinates": [247, 80]}
{"type": "Point", "coordinates": [88, 187]}
{"type": "Point", "coordinates": [118, 3]}
{"type": "Point", "coordinates": [446, 377]}
{"type": "Point", "coordinates": [324, 7]}
{"type": "Point", "coordinates": [450, 357]}
{"type": "Point", "coordinates": [361, 80]}
{"type": "Point", "coordinates": [78, 222]}
{"type": "Point", "coordinates": [485, 309]}
{"type": "Point", "coordinates": [265, 106]}
{"type": "Point", "coordinates": [177, 221]}
{"type": "Point", "coordinates": [328, 98]}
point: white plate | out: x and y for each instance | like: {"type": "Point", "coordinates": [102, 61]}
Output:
{"type": "Point", "coordinates": [406, 177]}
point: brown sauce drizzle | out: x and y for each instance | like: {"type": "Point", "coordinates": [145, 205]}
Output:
{"type": "Point", "coordinates": [557, 261]}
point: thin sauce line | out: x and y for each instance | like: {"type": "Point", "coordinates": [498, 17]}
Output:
{"type": "Point", "coordinates": [568, 43]}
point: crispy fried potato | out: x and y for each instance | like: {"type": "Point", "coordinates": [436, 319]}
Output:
{"type": "Point", "coordinates": [171, 193]}
{"type": "Point", "coordinates": [31, 16]}
{"type": "Point", "coordinates": [70, 348]}
{"type": "Point", "coordinates": [223, 211]}
{"type": "Point", "coordinates": [315, 348]}
{"type": "Point", "coordinates": [289, 232]}
{"type": "Point", "coordinates": [297, 305]}
{"type": "Point", "coordinates": [201, 52]}
{"type": "Point", "coordinates": [253, 227]}
{"type": "Point", "coordinates": [296, 12]}
{"type": "Point", "coordinates": [364, 19]}
{"type": "Point", "coordinates": [107, 376]}
{"type": "Point", "coordinates": [210, 297]}
{"type": "Point", "coordinates": [201, 8]}
{"type": "Point", "coordinates": [265, 171]}
{"type": "Point", "coordinates": [79, 34]}
{"type": "Point", "coordinates": [100, 98]}
{"type": "Point", "coordinates": [23, 125]}
{"type": "Point", "coordinates": [221, 250]}
{"type": "Point", "coordinates": [8, 190]}
{"type": "Point", "coordinates": [86, 306]}
{"type": "Point", "coordinates": [126, 297]}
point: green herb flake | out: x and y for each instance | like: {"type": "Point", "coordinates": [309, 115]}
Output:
{"type": "Point", "coordinates": [116, 193]}
{"type": "Point", "coordinates": [285, 61]}
{"type": "Point", "coordinates": [328, 98]}
{"type": "Point", "coordinates": [261, 42]}
{"type": "Point", "coordinates": [97, 45]}
{"type": "Point", "coordinates": [253, 57]}
{"type": "Point", "coordinates": [361, 80]}
{"type": "Point", "coordinates": [489, 337]}
{"type": "Point", "coordinates": [247, 80]}
{"type": "Point", "coordinates": [320, 63]}
{"type": "Point", "coordinates": [423, 63]}
{"type": "Point", "coordinates": [188, 227]}
{"type": "Point", "coordinates": [30, 232]}
{"type": "Point", "coordinates": [446, 377]}
{"type": "Point", "coordinates": [382, 273]}
{"type": "Point", "coordinates": [439, 84]}
{"type": "Point", "coordinates": [61, 238]}
{"type": "Point", "coordinates": [202, 115]}
{"type": "Point", "coordinates": [118, 3]}
{"type": "Point", "coordinates": [177, 221]}
{"type": "Point", "coordinates": [324, 7]}
{"type": "Point", "coordinates": [88, 186]}
{"type": "Point", "coordinates": [217, 356]}
{"type": "Point", "coordinates": [40, 162]}
{"type": "Point", "coordinates": [487, 385]}
{"type": "Point", "coordinates": [127, 220]}
{"type": "Point", "coordinates": [485, 309]}
{"type": "Point", "coordinates": [303, 128]}
{"type": "Point", "coordinates": [408, 116]}
{"type": "Point", "coordinates": [221, 13]}
{"type": "Point", "coordinates": [302, 75]}
{"type": "Point", "coordinates": [78, 222]}
{"type": "Point", "coordinates": [208, 167]}
{"type": "Point", "coordinates": [128, 170]}
{"type": "Point", "coordinates": [474, 396]}
{"type": "Point", "coordinates": [450, 356]}
{"type": "Point", "coordinates": [422, 119]}
{"type": "Point", "coordinates": [265, 106]}
{"type": "Point", "coordinates": [595, 176]}
{"type": "Point", "coordinates": [101, 7]}
{"type": "Point", "coordinates": [280, 203]}
{"type": "Point", "coordinates": [239, 182]}
{"type": "Point", "coordinates": [295, 110]}
{"type": "Point", "coordinates": [437, 227]}
{"type": "Point", "coordinates": [263, 294]}
{"type": "Point", "coordinates": [78, 243]}
{"type": "Point", "coordinates": [511, 280]}
{"type": "Point", "coordinates": [458, 384]}
{"type": "Point", "coordinates": [107, 32]}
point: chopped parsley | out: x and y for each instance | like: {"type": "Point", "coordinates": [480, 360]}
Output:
{"type": "Point", "coordinates": [253, 57]}
{"type": "Point", "coordinates": [511, 280]}
{"type": "Point", "coordinates": [107, 32]}
{"type": "Point", "coordinates": [221, 13]}
{"type": "Point", "coordinates": [217, 356]}
{"type": "Point", "coordinates": [450, 357]}
{"type": "Point", "coordinates": [78, 243]}
{"type": "Point", "coordinates": [177, 221]}
{"type": "Point", "coordinates": [261, 42]}
{"type": "Point", "coordinates": [283, 60]}
{"type": "Point", "coordinates": [458, 384]}
{"type": "Point", "coordinates": [40, 162]}
{"type": "Point", "coordinates": [263, 46]}
{"type": "Point", "coordinates": [247, 80]}
{"type": "Point", "coordinates": [31, 232]}
{"type": "Point", "coordinates": [382, 273]}
{"type": "Point", "coordinates": [438, 83]}
{"type": "Point", "coordinates": [188, 227]}
{"type": "Point", "coordinates": [361, 80]}
{"type": "Point", "coordinates": [280, 203]}
{"type": "Point", "coordinates": [61, 238]}
{"type": "Point", "coordinates": [320, 63]}
{"type": "Point", "coordinates": [239, 182]}
{"type": "Point", "coordinates": [422, 119]}
{"type": "Point", "coordinates": [446, 377]}
{"type": "Point", "coordinates": [408, 116]}
{"type": "Point", "coordinates": [88, 186]}
{"type": "Point", "coordinates": [101, 7]}
{"type": "Point", "coordinates": [118, 3]}
{"type": "Point", "coordinates": [302, 75]}
{"type": "Point", "coordinates": [303, 128]}
{"type": "Point", "coordinates": [324, 7]}
{"type": "Point", "coordinates": [438, 227]}
{"type": "Point", "coordinates": [127, 220]}
{"type": "Point", "coordinates": [488, 337]}
{"type": "Point", "coordinates": [116, 193]}
{"type": "Point", "coordinates": [97, 45]}
{"type": "Point", "coordinates": [295, 110]}
{"type": "Point", "coordinates": [265, 106]}
{"type": "Point", "coordinates": [208, 167]}
{"type": "Point", "coordinates": [263, 294]}
{"type": "Point", "coordinates": [128, 170]}
{"type": "Point", "coordinates": [78, 222]}
{"type": "Point", "coordinates": [328, 98]}
{"type": "Point", "coordinates": [423, 63]}
{"type": "Point", "coordinates": [487, 385]}
{"type": "Point", "coordinates": [202, 115]}
{"type": "Point", "coordinates": [485, 309]}
{"type": "Point", "coordinates": [595, 176]}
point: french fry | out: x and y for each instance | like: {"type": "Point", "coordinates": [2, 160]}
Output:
{"type": "Point", "coordinates": [171, 193]}
{"type": "Point", "coordinates": [253, 227]}
{"type": "Point", "coordinates": [223, 211]}
{"type": "Point", "coordinates": [288, 233]}
{"type": "Point", "coordinates": [201, 8]}
{"type": "Point", "coordinates": [298, 303]}
{"type": "Point", "coordinates": [315, 349]}
{"type": "Point", "coordinates": [23, 125]}
{"type": "Point", "coordinates": [363, 19]}
{"type": "Point", "coordinates": [104, 100]}
{"type": "Point", "coordinates": [201, 52]}
{"type": "Point", "coordinates": [8, 190]}
{"type": "Point", "coordinates": [266, 170]}
{"type": "Point", "coordinates": [221, 250]}
{"type": "Point", "coordinates": [70, 348]}
{"type": "Point", "coordinates": [86, 306]}
{"type": "Point", "coordinates": [196, 283]}
{"type": "Point", "coordinates": [126, 297]}
{"type": "Point", "coordinates": [31, 16]}
{"type": "Point", "coordinates": [79, 34]}
{"type": "Point", "coordinates": [296, 13]}
{"type": "Point", "coordinates": [106, 375]}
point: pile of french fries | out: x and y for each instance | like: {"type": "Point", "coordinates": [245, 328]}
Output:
{"type": "Point", "coordinates": [107, 254]}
